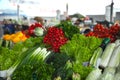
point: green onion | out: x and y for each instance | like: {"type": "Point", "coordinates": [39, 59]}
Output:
{"type": "Point", "coordinates": [31, 56]}
{"type": "Point", "coordinates": [19, 61]}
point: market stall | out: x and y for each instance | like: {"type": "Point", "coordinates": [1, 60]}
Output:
{"type": "Point", "coordinates": [61, 52]}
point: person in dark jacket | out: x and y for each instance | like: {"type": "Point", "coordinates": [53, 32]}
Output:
{"type": "Point", "coordinates": [9, 27]}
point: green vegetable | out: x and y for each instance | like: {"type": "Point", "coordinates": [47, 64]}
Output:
{"type": "Point", "coordinates": [19, 47]}
{"type": "Point", "coordinates": [31, 57]}
{"type": "Point", "coordinates": [80, 49]}
{"type": "Point", "coordinates": [8, 55]}
{"type": "Point", "coordinates": [76, 76]}
{"type": "Point", "coordinates": [108, 74]}
{"type": "Point", "coordinates": [19, 60]}
{"type": "Point", "coordinates": [115, 58]}
{"type": "Point", "coordinates": [117, 76]}
{"type": "Point", "coordinates": [58, 60]}
{"type": "Point", "coordinates": [33, 41]}
{"type": "Point", "coordinates": [35, 55]}
{"type": "Point", "coordinates": [68, 28]}
{"type": "Point", "coordinates": [107, 54]}
{"type": "Point", "coordinates": [7, 58]}
{"type": "Point", "coordinates": [82, 70]}
{"type": "Point", "coordinates": [79, 43]}
{"type": "Point", "coordinates": [42, 71]}
{"type": "Point", "coordinates": [94, 74]}
{"type": "Point", "coordinates": [65, 72]}
{"type": "Point", "coordinates": [96, 56]}
{"type": "Point", "coordinates": [62, 66]}
{"type": "Point", "coordinates": [58, 78]}
{"type": "Point", "coordinates": [1, 41]}
{"type": "Point", "coordinates": [38, 31]}
{"type": "Point", "coordinates": [6, 43]}
{"type": "Point", "coordinates": [118, 68]}
{"type": "Point", "coordinates": [117, 42]}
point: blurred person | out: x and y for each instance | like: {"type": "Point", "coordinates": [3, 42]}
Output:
{"type": "Point", "coordinates": [117, 22]}
{"type": "Point", "coordinates": [18, 27]}
{"type": "Point", "coordinates": [45, 23]}
{"type": "Point", "coordinates": [5, 28]}
{"type": "Point", "coordinates": [25, 23]}
{"type": "Point", "coordinates": [1, 29]}
{"type": "Point", "coordinates": [40, 20]}
{"type": "Point", "coordinates": [9, 27]}
{"type": "Point", "coordinates": [68, 19]}
{"type": "Point", "coordinates": [86, 31]}
{"type": "Point", "coordinates": [106, 23]}
{"type": "Point", "coordinates": [77, 22]}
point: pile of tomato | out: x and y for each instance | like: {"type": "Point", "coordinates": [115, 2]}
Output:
{"type": "Point", "coordinates": [55, 38]}
{"type": "Point", "coordinates": [103, 32]}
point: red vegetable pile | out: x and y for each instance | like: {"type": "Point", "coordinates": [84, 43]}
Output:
{"type": "Point", "coordinates": [103, 32]}
{"type": "Point", "coordinates": [30, 31]}
{"type": "Point", "coordinates": [114, 29]}
{"type": "Point", "coordinates": [32, 27]}
{"type": "Point", "coordinates": [55, 38]}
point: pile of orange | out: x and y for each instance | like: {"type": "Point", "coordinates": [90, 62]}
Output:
{"type": "Point", "coordinates": [17, 37]}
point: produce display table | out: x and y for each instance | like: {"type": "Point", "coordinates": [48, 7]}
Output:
{"type": "Point", "coordinates": [61, 52]}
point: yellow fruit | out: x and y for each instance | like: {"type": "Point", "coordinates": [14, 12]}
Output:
{"type": "Point", "coordinates": [16, 39]}
{"type": "Point", "coordinates": [12, 36]}
{"type": "Point", "coordinates": [7, 37]}
{"type": "Point", "coordinates": [19, 34]}
{"type": "Point", "coordinates": [23, 38]}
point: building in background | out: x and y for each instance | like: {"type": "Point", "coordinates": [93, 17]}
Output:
{"type": "Point", "coordinates": [106, 16]}
{"type": "Point", "coordinates": [96, 18]}
{"type": "Point", "coordinates": [117, 16]}
{"type": "Point", "coordinates": [58, 12]}
{"type": "Point", "coordinates": [10, 14]}
{"type": "Point", "coordinates": [107, 13]}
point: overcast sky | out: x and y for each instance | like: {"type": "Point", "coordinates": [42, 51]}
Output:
{"type": "Point", "coordinates": [85, 7]}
